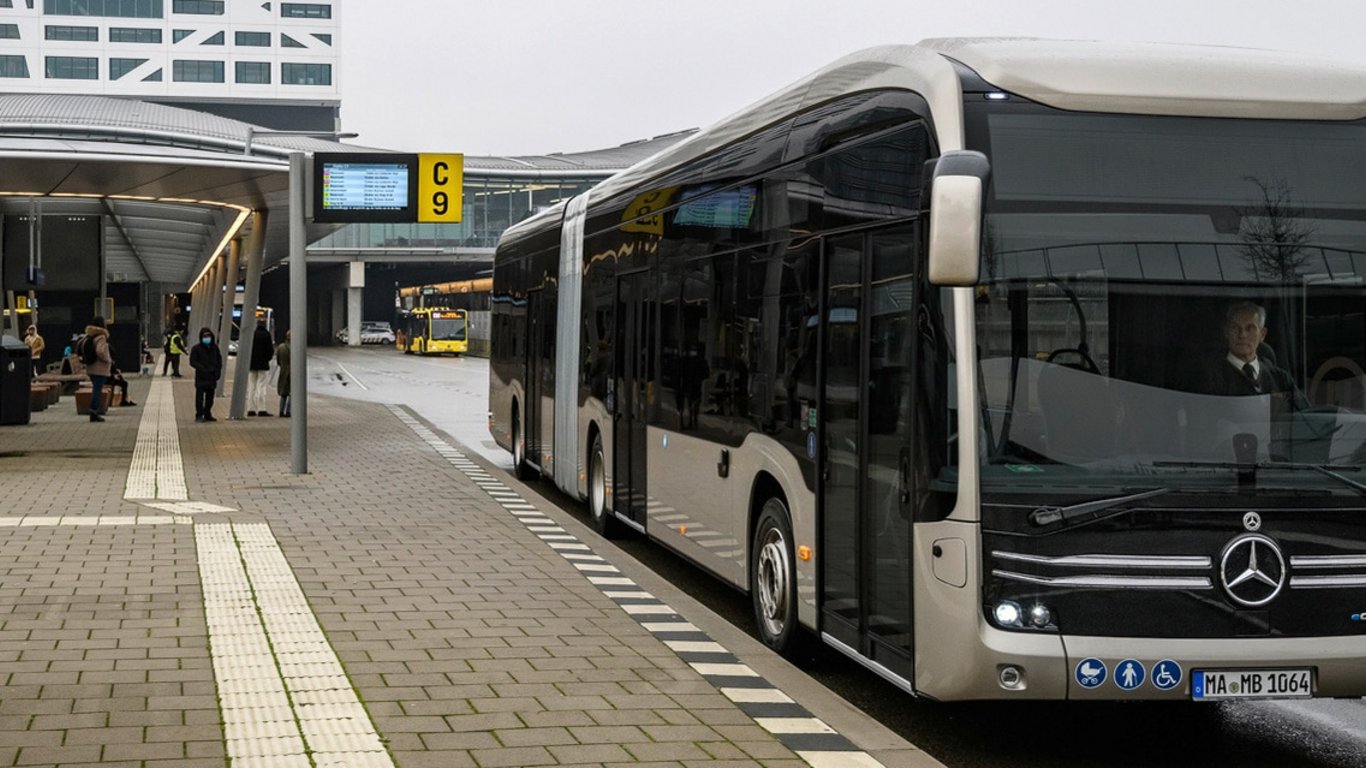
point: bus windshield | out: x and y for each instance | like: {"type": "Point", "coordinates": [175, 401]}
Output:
{"type": "Point", "coordinates": [448, 328]}
{"type": "Point", "coordinates": [1172, 302]}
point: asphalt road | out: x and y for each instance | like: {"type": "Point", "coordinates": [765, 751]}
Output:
{"type": "Point", "coordinates": [452, 393]}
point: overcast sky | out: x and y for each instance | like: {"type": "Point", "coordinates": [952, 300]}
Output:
{"type": "Point", "coordinates": [485, 77]}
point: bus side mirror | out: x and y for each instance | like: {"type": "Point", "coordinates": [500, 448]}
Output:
{"type": "Point", "coordinates": [960, 181]}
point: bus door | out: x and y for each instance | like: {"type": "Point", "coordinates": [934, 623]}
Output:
{"type": "Point", "coordinates": [535, 374]}
{"type": "Point", "coordinates": [865, 415]}
{"type": "Point", "coordinates": [634, 344]}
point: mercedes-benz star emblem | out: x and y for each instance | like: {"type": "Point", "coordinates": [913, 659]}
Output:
{"type": "Point", "coordinates": [1252, 521]}
{"type": "Point", "coordinates": [1252, 570]}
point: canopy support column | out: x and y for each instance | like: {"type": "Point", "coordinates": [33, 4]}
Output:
{"type": "Point", "coordinates": [229, 299]}
{"type": "Point", "coordinates": [251, 296]}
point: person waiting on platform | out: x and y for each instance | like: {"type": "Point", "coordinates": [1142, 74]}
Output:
{"type": "Point", "coordinates": [117, 381]}
{"type": "Point", "coordinates": [1242, 370]}
{"type": "Point", "coordinates": [174, 348]}
{"type": "Point", "coordinates": [258, 387]}
{"type": "Point", "coordinates": [207, 361]}
{"type": "Point", "coordinates": [36, 345]}
{"type": "Point", "coordinates": [93, 350]}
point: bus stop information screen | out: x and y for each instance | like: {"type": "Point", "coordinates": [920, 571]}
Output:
{"type": "Point", "coordinates": [365, 186]}
{"type": "Point", "coordinates": [375, 187]}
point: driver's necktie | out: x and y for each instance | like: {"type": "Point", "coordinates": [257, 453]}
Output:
{"type": "Point", "coordinates": [1251, 374]}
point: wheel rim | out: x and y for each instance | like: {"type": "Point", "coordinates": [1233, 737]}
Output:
{"type": "Point", "coordinates": [771, 584]}
{"type": "Point", "coordinates": [597, 487]}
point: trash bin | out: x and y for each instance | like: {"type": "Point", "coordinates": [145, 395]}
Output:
{"type": "Point", "coordinates": [16, 373]}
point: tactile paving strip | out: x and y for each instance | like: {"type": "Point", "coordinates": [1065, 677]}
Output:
{"type": "Point", "coordinates": [157, 471]}
{"type": "Point", "coordinates": [792, 724]}
{"type": "Point", "coordinates": [282, 691]}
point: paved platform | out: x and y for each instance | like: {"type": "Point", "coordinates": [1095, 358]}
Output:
{"type": "Point", "coordinates": [170, 595]}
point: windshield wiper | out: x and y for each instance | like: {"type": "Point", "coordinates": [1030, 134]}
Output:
{"type": "Point", "coordinates": [1088, 510]}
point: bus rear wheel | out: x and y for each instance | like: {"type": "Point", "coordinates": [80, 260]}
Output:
{"type": "Point", "coordinates": [773, 577]}
{"type": "Point", "coordinates": [603, 521]}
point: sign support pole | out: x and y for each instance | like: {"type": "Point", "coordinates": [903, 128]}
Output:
{"type": "Point", "coordinates": [298, 314]}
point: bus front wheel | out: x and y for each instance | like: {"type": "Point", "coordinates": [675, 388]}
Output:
{"type": "Point", "coordinates": [603, 520]}
{"type": "Point", "coordinates": [519, 465]}
{"type": "Point", "coordinates": [773, 577]}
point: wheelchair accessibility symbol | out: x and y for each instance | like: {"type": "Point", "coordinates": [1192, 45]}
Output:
{"type": "Point", "coordinates": [1166, 675]}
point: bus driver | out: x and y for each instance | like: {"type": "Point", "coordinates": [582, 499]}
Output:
{"type": "Point", "coordinates": [1241, 371]}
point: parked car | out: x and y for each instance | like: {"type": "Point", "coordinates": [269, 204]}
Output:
{"type": "Point", "coordinates": [371, 332]}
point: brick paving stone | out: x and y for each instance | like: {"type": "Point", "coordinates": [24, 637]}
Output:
{"type": "Point", "coordinates": [470, 642]}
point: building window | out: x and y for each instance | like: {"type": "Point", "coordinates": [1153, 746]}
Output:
{"type": "Point", "coordinates": [9, 31]}
{"type": "Point", "coordinates": [325, 39]}
{"type": "Point", "coordinates": [131, 9]}
{"type": "Point", "coordinates": [256, 39]}
{"type": "Point", "coordinates": [134, 35]}
{"type": "Point", "coordinates": [253, 72]}
{"type": "Point", "coordinates": [306, 74]}
{"type": "Point", "coordinates": [184, 71]}
{"type": "Point", "coordinates": [155, 77]}
{"type": "Point", "coordinates": [84, 34]}
{"type": "Point", "coordinates": [305, 11]}
{"type": "Point", "coordinates": [201, 7]}
{"type": "Point", "coordinates": [7, 4]}
{"type": "Point", "coordinates": [214, 39]}
{"type": "Point", "coordinates": [13, 66]}
{"type": "Point", "coordinates": [180, 34]}
{"type": "Point", "coordinates": [120, 67]}
{"type": "Point", "coordinates": [288, 42]}
{"type": "Point", "coordinates": [73, 68]}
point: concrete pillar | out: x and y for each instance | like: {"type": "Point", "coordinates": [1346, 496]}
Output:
{"type": "Point", "coordinates": [215, 289]}
{"type": "Point", "coordinates": [251, 296]}
{"type": "Point", "coordinates": [338, 314]}
{"type": "Point", "coordinates": [355, 292]}
{"type": "Point", "coordinates": [229, 295]}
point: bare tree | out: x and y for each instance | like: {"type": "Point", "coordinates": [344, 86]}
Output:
{"type": "Point", "coordinates": [1274, 234]}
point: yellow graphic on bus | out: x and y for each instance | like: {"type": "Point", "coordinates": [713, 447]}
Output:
{"type": "Point", "coordinates": [643, 215]}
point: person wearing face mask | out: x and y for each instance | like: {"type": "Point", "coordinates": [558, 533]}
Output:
{"type": "Point", "coordinates": [207, 361]}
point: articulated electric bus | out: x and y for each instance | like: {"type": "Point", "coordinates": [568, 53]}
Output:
{"type": "Point", "coordinates": [434, 331]}
{"type": "Point", "coordinates": [1011, 369]}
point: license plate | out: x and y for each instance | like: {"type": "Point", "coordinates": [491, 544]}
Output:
{"type": "Point", "coordinates": [1251, 684]}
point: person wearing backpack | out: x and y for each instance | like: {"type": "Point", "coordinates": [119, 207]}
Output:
{"type": "Point", "coordinates": [94, 351]}
{"type": "Point", "coordinates": [207, 361]}
{"type": "Point", "coordinates": [174, 348]}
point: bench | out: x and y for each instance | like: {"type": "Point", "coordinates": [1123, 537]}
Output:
{"type": "Point", "coordinates": [68, 382]}
{"type": "Point", "coordinates": [42, 394]}
{"type": "Point", "coordinates": [111, 397]}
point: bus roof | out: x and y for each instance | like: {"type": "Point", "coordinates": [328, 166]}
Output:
{"type": "Point", "coordinates": [1134, 78]}
{"type": "Point", "coordinates": [1165, 78]}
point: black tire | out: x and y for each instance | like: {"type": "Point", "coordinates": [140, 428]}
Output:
{"type": "Point", "coordinates": [773, 578]}
{"type": "Point", "coordinates": [604, 521]}
{"type": "Point", "coordinates": [519, 466]}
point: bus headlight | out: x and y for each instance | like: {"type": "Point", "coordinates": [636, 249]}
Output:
{"type": "Point", "coordinates": [1007, 614]}
{"type": "Point", "coordinates": [1040, 616]}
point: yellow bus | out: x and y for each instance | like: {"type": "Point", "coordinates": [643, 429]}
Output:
{"type": "Point", "coordinates": [434, 330]}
